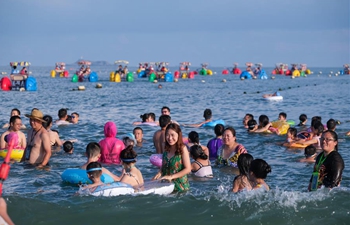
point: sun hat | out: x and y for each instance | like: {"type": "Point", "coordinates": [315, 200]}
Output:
{"type": "Point", "coordinates": [36, 114]}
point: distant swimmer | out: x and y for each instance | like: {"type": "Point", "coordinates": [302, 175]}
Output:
{"type": "Point", "coordinates": [207, 114]}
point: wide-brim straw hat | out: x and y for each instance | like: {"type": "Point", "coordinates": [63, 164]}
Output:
{"type": "Point", "coordinates": [36, 115]}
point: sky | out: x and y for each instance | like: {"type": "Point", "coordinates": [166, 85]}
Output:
{"type": "Point", "coordinates": [219, 32]}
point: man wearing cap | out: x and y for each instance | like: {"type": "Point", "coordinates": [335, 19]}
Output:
{"type": "Point", "coordinates": [38, 150]}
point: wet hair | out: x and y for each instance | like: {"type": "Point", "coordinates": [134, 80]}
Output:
{"type": "Point", "coordinates": [62, 113]}
{"type": "Point", "coordinates": [67, 146]}
{"type": "Point", "coordinates": [93, 149]}
{"type": "Point", "coordinates": [331, 124]}
{"type": "Point", "coordinates": [263, 120]}
{"type": "Point", "coordinates": [309, 151]}
{"type": "Point", "coordinates": [95, 173]}
{"type": "Point", "coordinates": [318, 127]}
{"type": "Point", "coordinates": [243, 163]}
{"type": "Point", "coordinates": [251, 117]}
{"type": "Point", "coordinates": [128, 155]}
{"type": "Point", "coordinates": [144, 117]}
{"type": "Point", "coordinates": [137, 128]}
{"type": "Point", "coordinates": [152, 115]}
{"type": "Point", "coordinates": [302, 118]}
{"type": "Point", "coordinates": [219, 129]}
{"type": "Point", "coordinates": [293, 131]}
{"type": "Point", "coordinates": [165, 107]}
{"type": "Point", "coordinates": [75, 113]}
{"type": "Point", "coordinates": [179, 145]}
{"type": "Point", "coordinates": [14, 118]}
{"type": "Point", "coordinates": [334, 136]}
{"type": "Point", "coordinates": [314, 119]}
{"type": "Point", "coordinates": [164, 120]}
{"type": "Point", "coordinates": [48, 121]}
{"type": "Point", "coordinates": [283, 114]}
{"type": "Point", "coordinates": [193, 137]}
{"type": "Point", "coordinates": [69, 118]}
{"type": "Point", "coordinates": [207, 114]}
{"type": "Point", "coordinates": [17, 110]}
{"type": "Point", "coordinates": [196, 152]}
{"type": "Point", "coordinates": [260, 168]}
{"type": "Point", "coordinates": [251, 124]}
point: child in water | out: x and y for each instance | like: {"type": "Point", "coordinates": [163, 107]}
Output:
{"type": "Point", "coordinates": [310, 154]}
{"type": "Point", "coordinates": [94, 171]}
{"type": "Point", "coordinates": [241, 182]}
{"type": "Point", "coordinates": [291, 136]}
{"type": "Point", "coordinates": [93, 153]}
{"type": "Point", "coordinates": [258, 173]}
{"type": "Point", "coordinates": [201, 166]}
{"type": "Point", "coordinates": [130, 175]}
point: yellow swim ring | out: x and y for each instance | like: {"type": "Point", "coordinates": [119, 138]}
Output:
{"type": "Point", "coordinates": [282, 126]}
{"type": "Point", "coordinates": [209, 72]}
{"type": "Point", "coordinates": [307, 71]}
{"type": "Point", "coordinates": [16, 153]}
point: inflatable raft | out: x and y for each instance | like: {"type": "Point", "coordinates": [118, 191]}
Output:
{"type": "Point", "coordinates": [119, 188]}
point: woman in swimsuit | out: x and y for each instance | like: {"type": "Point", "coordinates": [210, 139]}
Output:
{"type": "Point", "coordinates": [176, 160]}
{"type": "Point", "coordinates": [201, 166]}
{"type": "Point", "coordinates": [242, 182]}
{"type": "Point", "coordinates": [258, 173]}
{"type": "Point", "coordinates": [229, 152]}
{"type": "Point", "coordinates": [193, 139]}
{"type": "Point", "coordinates": [55, 140]}
{"type": "Point", "coordinates": [130, 175]}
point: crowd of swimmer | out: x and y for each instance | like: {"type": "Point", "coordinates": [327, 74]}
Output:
{"type": "Point", "coordinates": [177, 150]}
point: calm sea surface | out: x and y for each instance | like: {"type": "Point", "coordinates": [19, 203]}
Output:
{"type": "Point", "coordinates": [40, 197]}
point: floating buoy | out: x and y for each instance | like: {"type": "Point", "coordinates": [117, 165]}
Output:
{"type": "Point", "coordinates": [273, 77]}
{"type": "Point", "coordinates": [331, 72]}
{"type": "Point", "coordinates": [242, 78]}
{"type": "Point", "coordinates": [305, 76]}
{"type": "Point", "coordinates": [155, 81]}
{"type": "Point", "coordinates": [203, 81]}
{"type": "Point", "coordinates": [320, 72]}
{"type": "Point", "coordinates": [329, 75]}
{"type": "Point", "coordinates": [293, 77]}
{"type": "Point", "coordinates": [98, 85]}
{"type": "Point", "coordinates": [22, 89]}
{"type": "Point", "coordinates": [81, 88]}
{"type": "Point", "coordinates": [176, 80]}
{"type": "Point", "coordinates": [224, 80]}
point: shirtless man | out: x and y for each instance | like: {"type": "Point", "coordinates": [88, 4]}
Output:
{"type": "Point", "coordinates": [15, 126]}
{"type": "Point", "coordinates": [62, 117]}
{"type": "Point", "coordinates": [38, 151]}
{"type": "Point", "coordinates": [166, 111]}
{"type": "Point", "coordinates": [159, 136]}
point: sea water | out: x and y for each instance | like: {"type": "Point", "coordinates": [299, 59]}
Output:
{"type": "Point", "coordinates": [40, 197]}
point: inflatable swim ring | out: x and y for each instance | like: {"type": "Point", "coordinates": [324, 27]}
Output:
{"type": "Point", "coordinates": [119, 188]}
{"type": "Point", "coordinates": [16, 154]}
{"type": "Point", "coordinates": [281, 126]}
{"type": "Point", "coordinates": [77, 176]}
{"type": "Point", "coordinates": [295, 145]}
{"type": "Point", "coordinates": [213, 123]}
{"type": "Point", "coordinates": [156, 160]}
{"type": "Point", "coordinates": [291, 122]}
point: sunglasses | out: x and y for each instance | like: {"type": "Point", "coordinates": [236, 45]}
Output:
{"type": "Point", "coordinates": [72, 117]}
